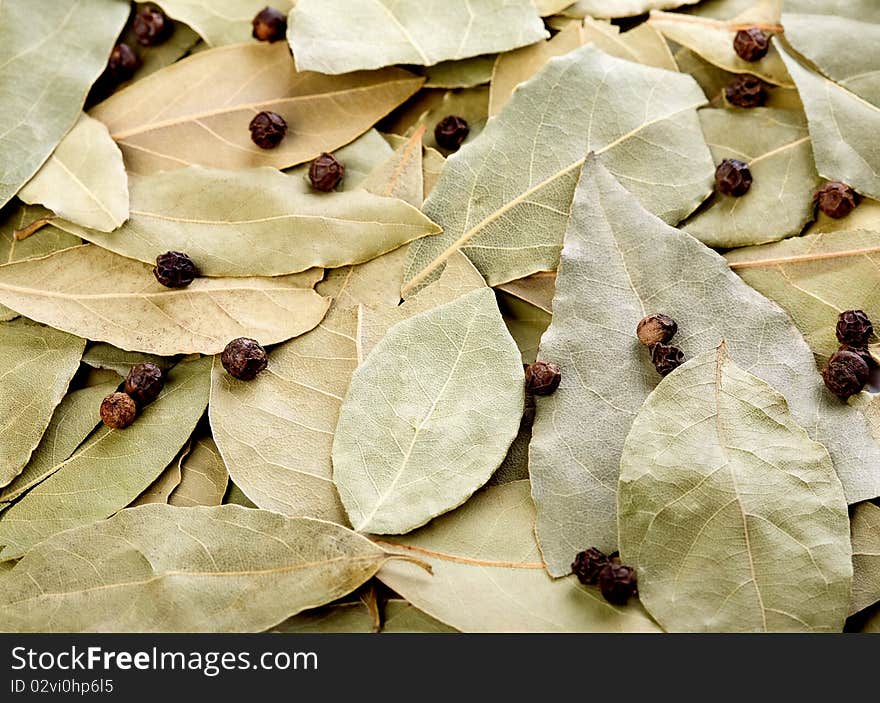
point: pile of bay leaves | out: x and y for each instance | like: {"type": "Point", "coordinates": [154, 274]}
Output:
{"type": "Point", "coordinates": [386, 471]}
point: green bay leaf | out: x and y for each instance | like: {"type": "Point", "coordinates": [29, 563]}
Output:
{"type": "Point", "coordinates": [621, 8]}
{"type": "Point", "coordinates": [866, 556]}
{"type": "Point", "coordinates": [220, 22]}
{"type": "Point", "coordinates": [204, 477]}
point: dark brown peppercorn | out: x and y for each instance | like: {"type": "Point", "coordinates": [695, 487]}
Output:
{"type": "Point", "coordinates": [542, 377]}
{"type": "Point", "coordinates": [152, 27]}
{"type": "Point", "coordinates": [746, 91]}
{"type": "Point", "coordinates": [733, 178]}
{"type": "Point", "coordinates": [244, 358]}
{"type": "Point", "coordinates": [269, 25]}
{"type": "Point", "coordinates": [854, 328]}
{"type": "Point", "coordinates": [267, 129]}
{"type": "Point", "coordinates": [666, 358]}
{"type": "Point", "coordinates": [144, 383]}
{"type": "Point", "coordinates": [751, 44]}
{"type": "Point", "coordinates": [326, 172]}
{"type": "Point", "coordinates": [836, 199]}
{"type": "Point", "coordinates": [618, 583]}
{"type": "Point", "coordinates": [118, 410]}
{"type": "Point", "coordinates": [451, 131]}
{"type": "Point", "coordinates": [175, 269]}
{"type": "Point", "coordinates": [123, 63]}
{"type": "Point", "coordinates": [845, 374]}
{"type": "Point", "coordinates": [656, 329]}
{"type": "Point", "coordinates": [587, 565]}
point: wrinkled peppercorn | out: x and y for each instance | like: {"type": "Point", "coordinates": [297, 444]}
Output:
{"type": "Point", "coordinates": [854, 328]}
{"type": "Point", "coordinates": [267, 129]}
{"type": "Point", "coordinates": [175, 269]}
{"type": "Point", "coordinates": [542, 377]}
{"type": "Point", "coordinates": [836, 199]}
{"type": "Point", "coordinates": [746, 91]}
{"type": "Point", "coordinates": [326, 172]}
{"type": "Point", "coordinates": [587, 565]}
{"type": "Point", "coordinates": [152, 27]}
{"type": "Point", "coordinates": [144, 382]}
{"type": "Point", "coordinates": [618, 583]}
{"type": "Point", "coordinates": [666, 358]}
{"type": "Point", "coordinates": [118, 410]}
{"type": "Point", "coordinates": [656, 329]}
{"type": "Point", "coordinates": [269, 25]}
{"type": "Point", "coordinates": [733, 178]}
{"type": "Point", "coordinates": [845, 374]}
{"type": "Point", "coordinates": [751, 44]}
{"type": "Point", "coordinates": [451, 131]}
{"type": "Point", "coordinates": [244, 358]}
{"type": "Point", "coordinates": [123, 63]}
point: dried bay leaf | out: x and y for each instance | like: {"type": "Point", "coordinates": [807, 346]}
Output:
{"type": "Point", "coordinates": [36, 365]}
{"type": "Point", "coordinates": [815, 278]}
{"type": "Point", "coordinates": [621, 8]}
{"type": "Point", "coordinates": [106, 356]}
{"type": "Point", "coordinates": [866, 556]}
{"type": "Point", "coordinates": [399, 617]}
{"type": "Point", "coordinates": [73, 420]}
{"type": "Point", "coordinates": [204, 477]}
{"type": "Point", "coordinates": [435, 438]}
{"type": "Point", "coordinates": [386, 32]}
{"type": "Point", "coordinates": [537, 289]}
{"type": "Point", "coordinates": [99, 295]}
{"type": "Point", "coordinates": [776, 145]}
{"type": "Point", "coordinates": [160, 490]}
{"type": "Point", "coordinates": [525, 322]}
{"type": "Point", "coordinates": [526, 163]}
{"type": "Point", "coordinates": [359, 157]}
{"type": "Point", "coordinates": [161, 123]}
{"type": "Point", "coordinates": [865, 216]}
{"type": "Point", "coordinates": [182, 40]}
{"type": "Point", "coordinates": [488, 575]}
{"type": "Point", "coordinates": [374, 283]}
{"type": "Point", "coordinates": [467, 73]}
{"type": "Point", "coordinates": [253, 223]}
{"type": "Point", "coordinates": [112, 468]}
{"type": "Point", "coordinates": [160, 568]}
{"type": "Point", "coordinates": [220, 22]}
{"type": "Point", "coordinates": [234, 496]}
{"type": "Point", "coordinates": [84, 179]}
{"type": "Point", "coordinates": [44, 89]}
{"type": "Point", "coordinates": [642, 44]}
{"type": "Point", "coordinates": [715, 471]}
{"type": "Point", "coordinates": [551, 7]}
{"type": "Point", "coordinates": [619, 264]}
{"type": "Point", "coordinates": [400, 175]}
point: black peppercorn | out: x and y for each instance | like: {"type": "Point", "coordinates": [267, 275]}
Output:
{"type": "Point", "coordinates": [123, 63]}
{"type": "Point", "coordinates": [244, 358]}
{"type": "Point", "coordinates": [666, 358]}
{"type": "Point", "coordinates": [118, 410]}
{"type": "Point", "coordinates": [618, 583]}
{"type": "Point", "coordinates": [854, 328]}
{"type": "Point", "coordinates": [542, 377]}
{"type": "Point", "coordinates": [326, 172]}
{"type": "Point", "coordinates": [451, 131]}
{"type": "Point", "coordinates": [144, 383]}
{"type": "Point", "coordinates": [175, 269]}
{"type": "Point", "coordinates": [751, 44]}
{"type": "Point", "coordinates": [733, 178]}
{"type": "Point", "coordinates": [656, 329]}
{"type": "Point", "coordinates": [845, 374]}
{"type": "Point", "coordinates": [587, 565]}
{"type": "Point", "coordinates": [267, 129]}
{"type": "Point", "coordinates": [746, 91]}
{"type": "Point", "coordinates": [836, 199]}
{"type": "Point", "coordinates": [151, 26]}
{"type": "Point", "coordinates": [269, 25]}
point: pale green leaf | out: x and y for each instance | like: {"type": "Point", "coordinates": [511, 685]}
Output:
{"type": "Point", "coordinates": [36, 365]}
{"type": "Point", "coordinates": [96, 294]}
{"type": "Point", "coordinates": [399, 617]}
{"type": "Point", "coordinates": [525, 322]}
{"type": "Point", "coordinates": [220, 21]}
{"type": "Point", "coordinates": [550, 7]}
{"type": "Point", "coordinates": [489, 577]}
{"type": "Point", "coordinates": [866, 556]}
{"type": "Point", "coordinates": [112, 468]}
{"type": "Point", "coordinates": [731, 515]}
{"type": "Point", "coordinates": [400, 175]}
{"type": "Point", "coordinates": [537, 289]}
{"type": "Point", "coordinates": [159, 568]}
{"type": "Point", "coordinates": [642, 44]}
{"type": "Point", "coordinates": [51, 51]}
{"type": "Point", "coordinates": [504, 199]}
{"type": "Point", "coordinates": [621, 8]}
{"type": "Point", "coordinates": [161, 489]}
{"type": "Point", "coordinates": [84, 180]}
{"type": "Point", "coordinates": [619, 264]}
{"type": "Point", "coordinates": [334, 36]}
{"type": "Point", "coordinates": [106, 356]}
{"type": "Point", "coordinates": [161, 123]}
{"type": "Point", "coordinates": [776, 146]}
{"type": "Point", "coordinates": [254, 223]}
{"type": "Point", "coordinates": [467, 73]}
{"type": "Point", "coordinates": [865, 216]}
{"type": "Point", "coordinates": [441, 396]}
{"type": "Point", "coordinates": [204, 477]}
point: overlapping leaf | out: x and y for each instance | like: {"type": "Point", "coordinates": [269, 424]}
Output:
{"type": "Point", "coordinates": [731, 515]}
{"type": "Point", "coordinates": [866, 556]}
{"type": "Point", "coordinates": [204, 477]}
{"type": "Point", "coordinates": [220, 21]}
{"type": "Point", "coordinates": [619, 264]}
{"type": "Point", "coordinates": [621, 8]}
{"type": "Point", "coordinates": [504, 199]}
